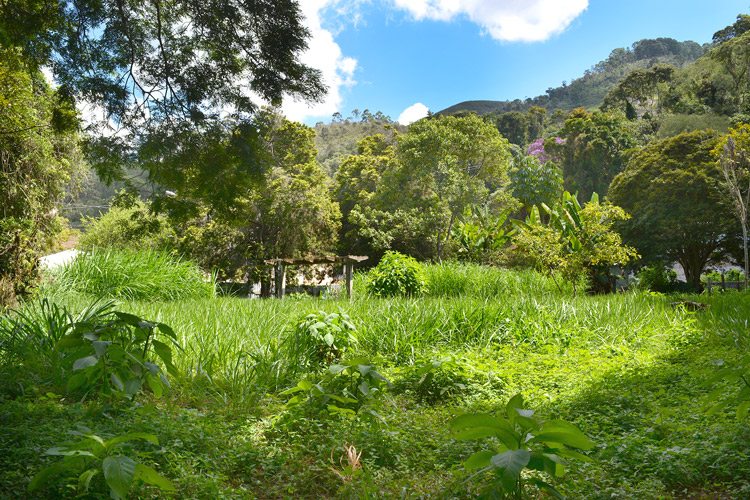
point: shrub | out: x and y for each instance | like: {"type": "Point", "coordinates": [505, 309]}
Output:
{"type": "Point", "coordinates": [397, 274]}
{"type": "Point", "coordinates": [320, 339]}
{"type": "Point", "coordinates": [129, 226]}
{"type": "Point", "coordinates": [133, 275]}
{"type": "Point", "coordinates": [657, 278]}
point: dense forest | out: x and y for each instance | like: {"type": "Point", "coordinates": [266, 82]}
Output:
{"type": "Point", "coordinates": [515, 327]}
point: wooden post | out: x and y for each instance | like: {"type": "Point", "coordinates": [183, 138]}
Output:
{"type": "Point", "coordinates": [349, 271]}
{"type": "Point", "coordinates": [708, 285]}
{"type": "Point", "coordinates": [723, 282]}
{"type": "Point", "coordinates": [280, 279]}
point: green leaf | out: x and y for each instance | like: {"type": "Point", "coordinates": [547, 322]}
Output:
{"type": "Point", "coordinates": [514, 403]}
{"type": "Point", "coordinates": [559, 431]}
{"type": "Point", "coordinates": [84, 480]}
{"type": "Point", "coordinates": [336, 369]}
{"type": "Point", "coordinates": [69, 341]}
{"type": "Point", "coordinates": [162, 350]}
{"type": "Point", "coordinates": [100, 347]}
{"type": "Point", "coordinates": [156, 386]}
{"type": "Point", "coordinates": [166, 330]}
{"type": "Point", "coordinates": [46, 474]}
{"type": "Point", "coordinates": [328, 339]}
{"type": "Point", "coordinates": [116, 382]}
{"type": "Point", "coordinates": [119, 473]}
{"type": "Point", "coordinates": [479, 460]}
{"type": "Point", "coordinates": [129, 319]}
{"type": "Point", "coordinates": [132, 386]}
{"type": "Point", "coordinates": [547, 488]}
{"type": "Point", "coordinates": [75, 382]}
{"type": "Point", "coordinates": [83, 363]}
{"type": "Point", "coordinates": [511, 463]}
{"type": "Point", "coordinates": [149, 475]}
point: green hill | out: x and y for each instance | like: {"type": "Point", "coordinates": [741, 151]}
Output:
{"type": "Point", "coordinates": [589, 90]}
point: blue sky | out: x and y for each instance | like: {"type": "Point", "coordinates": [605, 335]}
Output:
{"type": "Point", "coordinates": [390, 55]}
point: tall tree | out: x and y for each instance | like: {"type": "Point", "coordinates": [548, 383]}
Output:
{"type": "Point", "coordinates": [735, 165]}
{"type": "Point", "coordinates": [672, 188]}
{"type": "Point", "coordinates": [166, 73]}
{"type": "Point", "coordinates": [456, 162]}
{"type": "Point", "coordinates": [39, 158]}
{"type": "Point", "coordinates": [593, 151]}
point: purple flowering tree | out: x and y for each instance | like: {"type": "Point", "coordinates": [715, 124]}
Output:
{"type": "Point", "coordinates": [536, 148]}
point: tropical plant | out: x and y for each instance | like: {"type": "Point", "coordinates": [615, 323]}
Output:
{"type": "Point", "coordinates": [353, 388]}
{"type": "Point", "coordinates": [320, 339]}
{"type": "Point", "coordinates": [93, 457]}
{"type": "Point", "coordinates": [479, 234]}
{"type": "Point", "coordinates": [118, 356]}
{"type": "Point", "coordinates": [396, 274]}
{"type": "Point", "coordinates": [522, 442]}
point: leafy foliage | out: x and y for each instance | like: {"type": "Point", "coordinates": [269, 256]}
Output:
{"type": "Point", "coordinates": [128, 226]}
{"type": "Point", "coordinates": [576, 240]}
{"type": "Point", "coordinates": [135, 274]}
{"type": "Point", "coordinates": [396, 274]}
{"type": "Point", "coordinates": [40, 158]}
{"type": "Point", "coordinates": [117, 357]}
{"type": "Point", "coordinates": [672, 189]}
{"type": "Point", "coordinates": [94, 459]}
{"type": "Point", "coordinates": [320, 339]}
{"type": "Point", "coordinates": [352, 388]}
{"type": "Point", "coordinates": [480, 236]}
{"type": "Point", "coordinates": [523, 441]}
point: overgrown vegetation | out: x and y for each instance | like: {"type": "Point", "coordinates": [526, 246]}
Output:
{"type": "Point", "coordinates": [625, 369]}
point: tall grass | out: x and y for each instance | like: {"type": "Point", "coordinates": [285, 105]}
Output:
{"type": "Point", "coordinates": [453, 279]}
{"type": "Point", "coordinates": [132, 275]}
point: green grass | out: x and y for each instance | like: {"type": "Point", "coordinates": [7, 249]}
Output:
{"type": "Point", "coordinates": [627, 369]}
{"type": "Point", "coordinates": [132, 275]}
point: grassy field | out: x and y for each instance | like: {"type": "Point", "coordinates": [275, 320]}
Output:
{"type": "Point", "coordinates": [627, 369]}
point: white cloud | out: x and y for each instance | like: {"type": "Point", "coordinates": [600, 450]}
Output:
{"type": "Point", "coordinates": [323, 53]}
{"type": "Point", "coordinates": [412, 113]}
{"type": "Point", "coordinates": [505, 20]}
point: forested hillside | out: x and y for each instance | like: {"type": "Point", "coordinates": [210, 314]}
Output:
{"type": "Point", "coordinates": [589, 90]}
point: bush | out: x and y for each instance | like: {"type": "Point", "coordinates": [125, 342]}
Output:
{"type": "Point", "coordinates": [129, 226]}
{"type": "Point", "coordinates": [320, 339]}
{"type": "Point", "coordinates": [133, 275]}
{"type": "Point", "coordinates": [397, 274]}
{"type": "Point", "coordinates": [657, 278]}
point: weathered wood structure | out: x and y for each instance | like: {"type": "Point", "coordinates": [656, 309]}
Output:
{"type": "Point", "coordinates": [279, 269]}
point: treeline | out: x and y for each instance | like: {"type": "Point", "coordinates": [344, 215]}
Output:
{"type": "Point", "coordinates": [450, 186]}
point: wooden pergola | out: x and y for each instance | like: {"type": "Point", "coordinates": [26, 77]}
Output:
{"type": "Point", "coordinates": [279, 269]}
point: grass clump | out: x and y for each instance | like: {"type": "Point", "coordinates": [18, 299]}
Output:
{"type": "Point", "coordinates": [133, 275]}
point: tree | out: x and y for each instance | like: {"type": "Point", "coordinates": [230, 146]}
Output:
{"type": "Point", "coordinates": [356, 182]}
{"type": "Point", "coordinates": [451, 163]}
{"type": "Point", "coordinates": [672, 189]}
{"type": "Point", "coordinates": [166, 74]}
{"type": "Point", "coordinates": [641, 87]}
{"type": "Point", "coordinates": [735, 165]}
{"type": "Point", "coordinates": [533, 183]}
{"type": "Point", "coordinates": [593, 151]}
{"type": "Point", "coordinates": [287, 212]}
{"type": "Point", "coordinates": [39, 159]}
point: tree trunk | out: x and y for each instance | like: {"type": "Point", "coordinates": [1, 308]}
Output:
{"type": "Point", "coordinates": [744, 247]}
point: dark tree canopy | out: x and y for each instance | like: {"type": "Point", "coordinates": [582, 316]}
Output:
{"type": "Point", "coordinates": [165, 59]}
{"type": "Point", "coordinates": [176, 78]}
{"type": "Point", "coordinates": [672, 190]}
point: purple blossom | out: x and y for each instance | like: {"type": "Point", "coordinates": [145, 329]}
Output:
{"type": "Point", "coordinates": [536, 148]}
